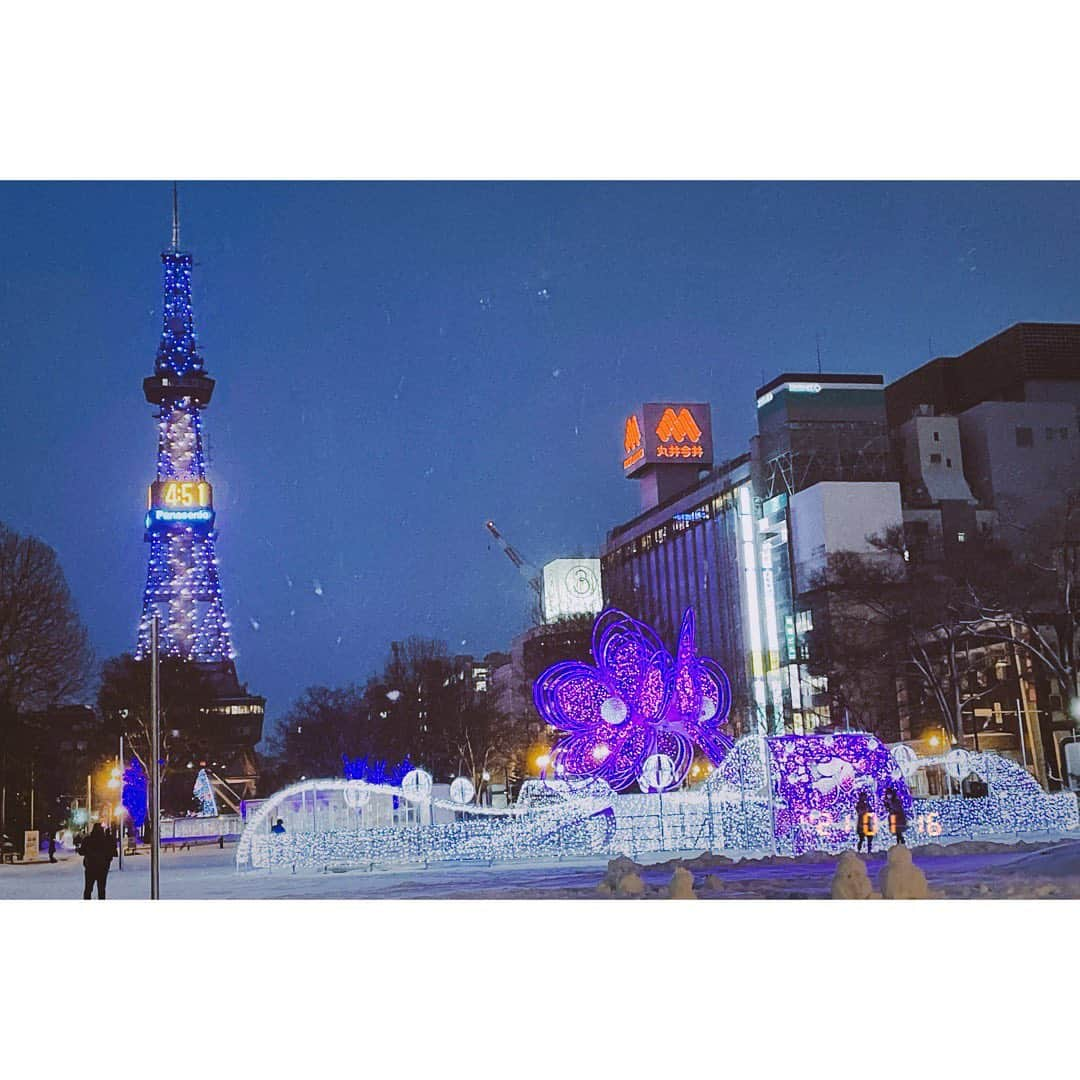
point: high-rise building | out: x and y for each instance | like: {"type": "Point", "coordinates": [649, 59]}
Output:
{"type": "Point", "coordinates": [989, 441]}
{"type": "Point", "coordinates": [1016, 401]}
{"type": "Point", "coordinates": [182, 583]}
{"type": "Point", "coordinates": [745, 543]}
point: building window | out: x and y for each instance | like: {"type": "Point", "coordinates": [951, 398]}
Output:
{"type": "Point", "coordinates": [961, 537]}
{"type": "Point", "coordinates": [1025, 437]}
{"type": "Point", "coordinates": [948, 463]}
{"type": "Point", "coordinates": [935, 459]}
{"type": "Point", "coordinates": [1063, 432]}
{"type": "Point", "coordinates": [1049, 434]}
{"type": "Point", "coordinates": [937, 437]}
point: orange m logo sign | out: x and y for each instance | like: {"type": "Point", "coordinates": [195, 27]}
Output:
{"type": "Point", "coordinates": [631, 434]}
{"type": "Point", "coordinates": [677, 426]}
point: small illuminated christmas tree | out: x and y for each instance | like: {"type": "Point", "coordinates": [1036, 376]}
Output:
{"type": "Point", "coordinates": [204, 793]}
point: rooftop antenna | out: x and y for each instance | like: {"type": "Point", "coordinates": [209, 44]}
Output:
{"type": "Point", "coordinates": [817, 342]}
{"type": "Point", "coordinates": [175, 219]}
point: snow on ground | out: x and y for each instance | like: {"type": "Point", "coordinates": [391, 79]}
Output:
{"type": "Point", "coordinates": [972, 869]}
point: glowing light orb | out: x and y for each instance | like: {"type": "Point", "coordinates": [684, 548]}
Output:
{"type": "Point", "coordinates": [416, 785]}
{"type": "Point", "coordinates": [658, 773]}
{"type": "Point", "coordinates": [957, 763]}
{"type": "Point", "coordinates": [462, 790]}
{"type": "Point", "coordinates": [906, 759]}
{"type": "Point", "coordinates": [356, 794]}
{"type": "Point", "coordinates": [613, 712]}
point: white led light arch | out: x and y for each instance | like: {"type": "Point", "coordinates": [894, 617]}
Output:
{"type": "Point", "coordinates": [354, 823]}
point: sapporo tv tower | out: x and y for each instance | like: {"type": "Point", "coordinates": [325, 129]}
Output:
{"type": "Point", "coordinates": [182, 583]}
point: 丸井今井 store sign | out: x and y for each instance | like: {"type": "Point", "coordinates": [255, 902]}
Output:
{"type": "Point", "coordinates": [667, 433]}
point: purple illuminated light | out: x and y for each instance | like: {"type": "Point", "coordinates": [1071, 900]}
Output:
{"type": "Point", "coordinates": [637, 701]}
{"type": "Point", "coordinates": [816, 781]}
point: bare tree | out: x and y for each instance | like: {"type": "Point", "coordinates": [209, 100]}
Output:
{"type": "Point", "coordinates": [45, 654]}
{"type": "Point", "coordinates": [897, 615]}
{"type": "Point", "coordinates": [124, 705]}
{"type": "Point", "coordinates": [1037, 608]}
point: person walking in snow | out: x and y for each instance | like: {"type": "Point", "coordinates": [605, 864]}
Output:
{"type": "Point", "coordinates": [98, 851]}
{"type": "Point", "coordinates": [865, 826]}
{"type": "Point", "coordinates": [897, 814]}
{"type": "Point", "coordinates": [278, 828]}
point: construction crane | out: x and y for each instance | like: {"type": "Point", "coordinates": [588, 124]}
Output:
{"type": "Point", "coordinates": [524, 567]}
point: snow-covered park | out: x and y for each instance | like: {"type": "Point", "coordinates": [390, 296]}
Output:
{"type": "Point", "coordinates": [962, 870]}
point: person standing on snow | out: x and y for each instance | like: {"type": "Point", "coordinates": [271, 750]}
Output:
{"type": "Point", "coordinates": [897, 814]}
{"type": "Point", "coordinates": [279, 828]}
{"type": "Point", "coordinates": [98, 851]}
{"type": "Point", "coordinates": [865, 826]}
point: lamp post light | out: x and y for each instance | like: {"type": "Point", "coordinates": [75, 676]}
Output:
{"type": "Point", "coordinates": [116, 783]}
{"type": "Point", "coordinates": [155, 759]}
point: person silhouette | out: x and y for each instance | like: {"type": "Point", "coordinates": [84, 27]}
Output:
{"type": "Point", "coordinates": [897, 814]}
{"type": "Point", "coordinates": [98, 851]}
{"type": "Point", "coordinates": [865, 825]}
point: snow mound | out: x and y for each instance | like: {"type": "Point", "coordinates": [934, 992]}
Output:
{"type": "Point", "coordinates": [682, 885]}
{"type": "Point", "coordinates": [902, 879]}
{"type": "Point", "coordinates": [622, 878]}
{"type": "Point", "coordinates": [705, 860]}
{"type": "Point", "coordinates": [618, 868]}
{"type": "Point", "coordinates": [851, 881]}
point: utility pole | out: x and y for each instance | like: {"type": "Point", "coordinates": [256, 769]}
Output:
{"type": "Point", "coordinates": [155, 759]}
{"type": "Point", "coordinates": [120, 808]}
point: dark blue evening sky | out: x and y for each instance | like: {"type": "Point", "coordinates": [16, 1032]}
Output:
{"type": "Point", "coordinates": [396, 363]}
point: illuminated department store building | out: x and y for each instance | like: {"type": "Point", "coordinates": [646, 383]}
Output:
{"type": "Point", "coordinates": [741, 541]}
{"type": "Point", "coordinates": [964, 445]}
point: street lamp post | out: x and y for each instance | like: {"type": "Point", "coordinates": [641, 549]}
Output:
{"type": "Point", "coordinates": [120, 807]}
{"type": "Point", "coordinates": [155, 760]}
{"type": "Point", "coordinates": [116, 784]}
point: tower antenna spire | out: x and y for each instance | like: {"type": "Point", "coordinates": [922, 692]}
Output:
{"type": "Point", "coordinates": [175, 219]}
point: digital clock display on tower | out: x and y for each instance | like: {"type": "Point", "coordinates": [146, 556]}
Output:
{"type": "Point", "coordinates": [180, 500]}
{"type": "Point", "coordinates": [175, 494]}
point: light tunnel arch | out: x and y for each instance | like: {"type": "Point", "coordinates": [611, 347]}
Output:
{"type": "Point", "coordinates": [389, 826]}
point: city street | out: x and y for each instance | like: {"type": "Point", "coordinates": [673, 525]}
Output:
{"type": "Point", "coordinates": [964, 870]}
